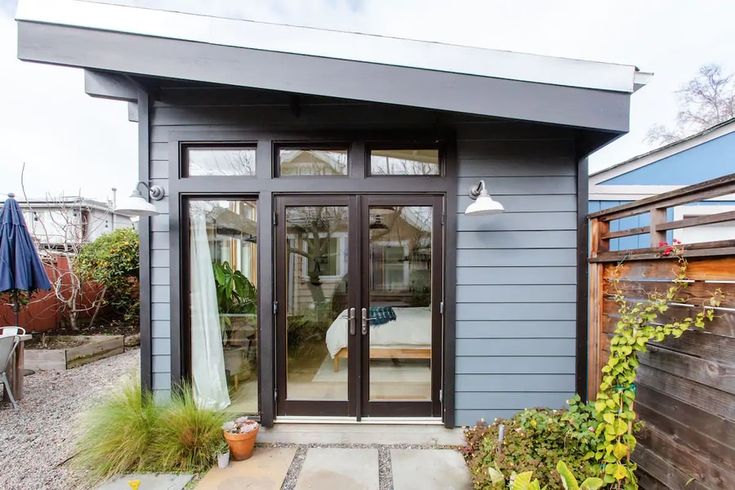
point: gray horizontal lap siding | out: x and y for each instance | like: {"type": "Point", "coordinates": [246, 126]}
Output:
{"type": "Point", "coordinates": [516, 276]}
{"type": "Point", "coordinates": [182, 108]}
{"type": "Point", "coordinates": [516, 273]}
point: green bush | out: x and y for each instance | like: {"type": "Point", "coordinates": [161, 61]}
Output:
{"type": "Point", "coordinates": [597, 438]}
{"type": "Point", "coordinates": [129, 432]}
{"type": "Point", "coordinates": [535, 440]}
{"type": "Point", "coordinates": [113, 261]}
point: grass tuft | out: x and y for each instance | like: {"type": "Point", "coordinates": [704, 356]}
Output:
{"type": "Point", "coordinates": [186, 438]}
{"type": "Point", "coordinates": [128, 432]}
{"type": "Point", "coordinates": [117, 432]}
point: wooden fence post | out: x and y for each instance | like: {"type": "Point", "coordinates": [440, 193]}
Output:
{"type": "Point", "coordinates": [658, 217]}
{"type": "Point", "coordinates": [597, 245]}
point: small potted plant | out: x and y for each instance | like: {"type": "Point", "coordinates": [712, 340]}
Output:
{"type": "Point", "coordinates": [240, 435]}
{"type": "Point", "coordinates": [223, 454]}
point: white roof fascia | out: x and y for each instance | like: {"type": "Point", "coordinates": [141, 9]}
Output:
{"type": "Point", "coordinates": [333, 44]}
{"type": "Point", "coordinates": [627, 192]}
{"type": "Point", "coordinates": [635, 192]}
{"type": "Point", "coordinates": [659, 154]}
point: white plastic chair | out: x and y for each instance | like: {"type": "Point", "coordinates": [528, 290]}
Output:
{"type": "Point", "coordinates": [11, 331]}
{"type": "Point", "coordinates": [8, 343]}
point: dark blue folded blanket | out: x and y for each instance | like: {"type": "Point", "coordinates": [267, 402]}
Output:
{"type": "Point", "coordinates": [381, 315]}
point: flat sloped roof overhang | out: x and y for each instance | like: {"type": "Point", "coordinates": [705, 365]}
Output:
{"type": "Point", "coordinates": [599, 110]}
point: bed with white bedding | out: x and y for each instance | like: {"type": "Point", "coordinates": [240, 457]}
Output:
{"type": "Point", "coordinates": [406, 337]}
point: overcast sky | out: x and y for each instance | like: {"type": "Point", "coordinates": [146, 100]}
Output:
{"type": "Point", "coordinates": [73, 143]}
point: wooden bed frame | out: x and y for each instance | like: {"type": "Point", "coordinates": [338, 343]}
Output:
{"type": "Point", "coordinates": [387, 353]}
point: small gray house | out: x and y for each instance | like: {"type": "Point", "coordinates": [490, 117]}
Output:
{"type": "Point", "coordinates": [307, 252]}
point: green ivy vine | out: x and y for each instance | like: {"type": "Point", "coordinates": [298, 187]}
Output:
{"type": "Point", "coordinates": [638, 324]}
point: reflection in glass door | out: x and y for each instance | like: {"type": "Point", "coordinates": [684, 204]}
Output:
{"type": "Point", "coordinates": [315, 316]}
{"type": "Point", "coordinates": [399, 308]}
{"type": "Point", "coordinates": [358, 292]}
{"type": "Point", "coordinates": [400, 314]}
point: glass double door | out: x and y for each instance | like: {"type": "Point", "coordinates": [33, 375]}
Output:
{"type": "Point", "coordinates": [358, 291]}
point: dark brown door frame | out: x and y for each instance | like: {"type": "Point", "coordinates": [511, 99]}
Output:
{"type": "Point", "coordinates": [358, 405]}
{"type": "Point", "coordinates": [285, 406]}
{"type": "Point", "coordinates": [264, 187]}
{"type": "Point", "coordinates": [430, 408]}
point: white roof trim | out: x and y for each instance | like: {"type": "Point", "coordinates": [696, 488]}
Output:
{"type": "Point", "coordinates": [333, 44]}
{"type": "Point", "coordinates": [663, 152]}
{"type": "Point", "coordinates": [635, 192]}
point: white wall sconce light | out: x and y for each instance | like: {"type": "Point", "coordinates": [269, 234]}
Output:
{"type": "Point", "coordinates": [137, 205]}
{"type": "Point", "coordinates": [483, 204]}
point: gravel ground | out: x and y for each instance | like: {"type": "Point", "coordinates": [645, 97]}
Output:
{"type": "Point", "coordinates": [292, 476]}
{"type": "Point", "coordinates": [37, 440]}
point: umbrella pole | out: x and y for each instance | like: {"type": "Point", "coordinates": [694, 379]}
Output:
{"type": "Point", "coordinates": [16, 307]}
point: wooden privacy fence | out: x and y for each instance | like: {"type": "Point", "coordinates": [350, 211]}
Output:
{"type": "Point", "coordinates": [686, 386]}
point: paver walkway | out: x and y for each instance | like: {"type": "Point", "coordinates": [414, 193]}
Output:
{"type": "Point", "coordinates": [369, 467]}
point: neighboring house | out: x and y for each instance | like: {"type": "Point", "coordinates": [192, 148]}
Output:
{"type": "Point", "coordinates": [64, 223]}
{"type": "Point", "coordinates": [326, 175]}
{"type": "Point", "coordinates": [702, 156]}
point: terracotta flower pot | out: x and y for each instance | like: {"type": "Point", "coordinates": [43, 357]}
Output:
{"type": "Point", "coordinates": [241, 445]}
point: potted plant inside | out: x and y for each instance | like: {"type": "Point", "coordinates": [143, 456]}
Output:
{"type": "Point", "coordinates": [223, 454]}
{"type": "Point", "coordinates": [240, 435]}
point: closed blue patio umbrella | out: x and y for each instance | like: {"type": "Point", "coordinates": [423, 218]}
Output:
{"type": "Point", "coordinates": [20, 266]}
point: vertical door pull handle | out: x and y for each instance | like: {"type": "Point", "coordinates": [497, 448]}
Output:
{"type": "Point", "coordinates": [365, 320]}
{"type": "Point", "coordinates": [351, 320]}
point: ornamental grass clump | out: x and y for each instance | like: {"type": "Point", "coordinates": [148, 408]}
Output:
{"type": "Point", "coordinates": [117, 434]}
{"type": "Point", "coordinates": [186, 437]}
{"type": "Point", "coordinates": [129, 432]}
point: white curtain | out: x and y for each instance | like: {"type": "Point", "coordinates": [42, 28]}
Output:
{"type": "Point", "coordinates": [209, 381]}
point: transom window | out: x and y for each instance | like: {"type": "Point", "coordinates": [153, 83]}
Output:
{"type": "Point", "coordinates": [419, 161]}
{"type": "Point", "coordinates": [215, 160]}
{"type": "Point", "coordinates": [327, 161]}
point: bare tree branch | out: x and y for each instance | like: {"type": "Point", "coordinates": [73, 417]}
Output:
{"type": "Point", "coordinates": [706, 100]}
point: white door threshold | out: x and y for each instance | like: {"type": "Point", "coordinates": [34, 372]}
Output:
{"type": "Point", "coordinates": [342, 431]}
{"type": "Point", "coordinates": [294, 419]}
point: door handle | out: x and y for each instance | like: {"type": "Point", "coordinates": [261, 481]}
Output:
{"type": "Point", "coordinates": [365, 320]}
{"type": "Point", "coordinates": [351, 320]}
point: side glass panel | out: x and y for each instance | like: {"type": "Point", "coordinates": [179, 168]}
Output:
{"type": "Point", "coordinates": [300, 161]}
{"type": "Point", "coordinates": [200, 160]}
{"type": "Point", "coordinates": [405, 162]}
{"type": "Point", "coordinates": [316, 302]}
{"type": "Point", "coordinates": [399, 281]}
{"type": "Point", "coordinates": [223, 303]}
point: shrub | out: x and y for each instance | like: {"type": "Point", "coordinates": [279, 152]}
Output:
{"type": "Point", "coordinates": [535, 440]}
{"type": "Point", "coordinates": [129, 432]}
{"type": "Point", "coordinates": [113, 261]}
{"type": "Point", "coordinates": [596, 438]}
{"type": "Point", "coordinates": [117, 433]}
{"type": "Point", "coordinates": [186, 437]}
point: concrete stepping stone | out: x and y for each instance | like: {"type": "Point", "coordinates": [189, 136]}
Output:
{"type": "Point", "coordinates": [339, 468]}
{"type": "Point", "coordinates": [265, 470]}
{"type": "Point", "coordinates": [419, 469]}
{"type": "Point", "coordinates": [148, 481]}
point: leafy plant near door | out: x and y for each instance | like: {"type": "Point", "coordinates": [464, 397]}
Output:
{"type": "Point", "coordinates": [235, 293]}
{"type": "Point", "coordinates": [595, 439]}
